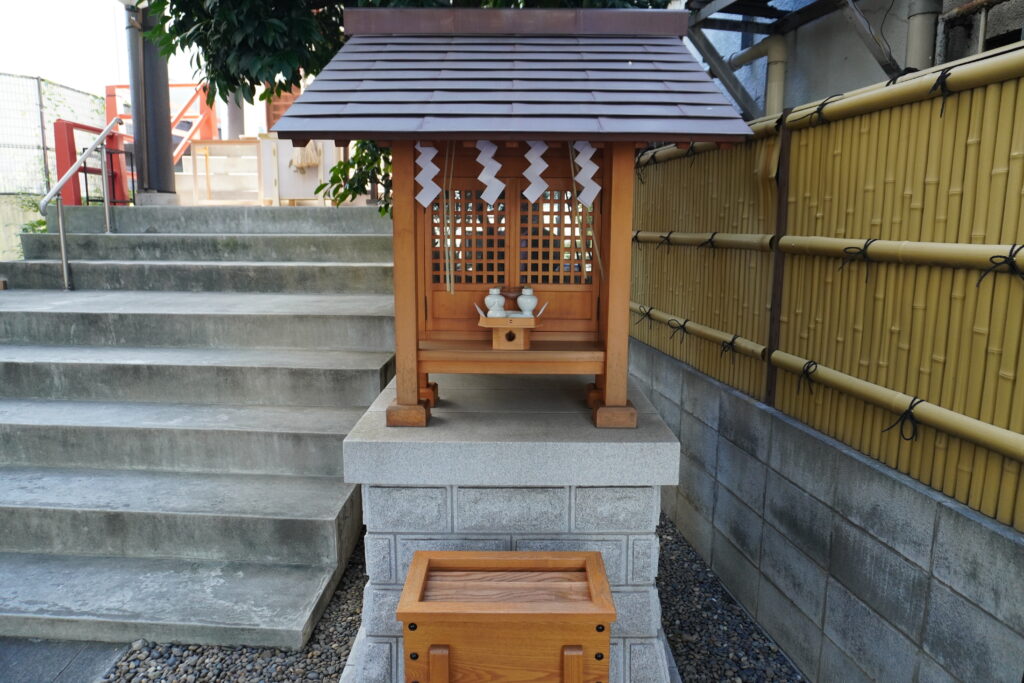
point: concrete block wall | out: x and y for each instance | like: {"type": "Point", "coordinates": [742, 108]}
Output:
{"type": "Point", "coordinates": [618, 521]}
{"type": "Point", "coordinates": [858, 572]}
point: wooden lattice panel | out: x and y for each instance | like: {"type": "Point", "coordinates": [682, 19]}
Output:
{"type": "Point", "coordinates": [476, 235]}
{"type": "Point", "coordinates": [556, 241]}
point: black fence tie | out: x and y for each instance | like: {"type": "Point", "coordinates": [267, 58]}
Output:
{"type": "Point", "coordinates": [851, 254]}
{"type": "Point", "coordinates": [810, 367]}
{"type": "Point", "coordinates": [709, 242]}
{"type": "Point", "coordinates": [905, 71]}
{"type": "Point", "coordinates": [664, 239]}
{"type": "Point", "coordinates": [1008, 261]}
{"type": "Point", "coordinates": [645, 313]}
{"type": "Point", "coordinates": [729, 346]}
{"type": "Point", "coordinates": [677, 327]}
{"type": "Point", "coordinates": [943, 88]}
{"type": "Point", "coordinates": [907, 418]}
{"type": "Point", "coordinates": [819, 112]}
{"type": "Point", "coordinates": [636, 239]}
{"type": "Point", "coordinates": [781, 121]}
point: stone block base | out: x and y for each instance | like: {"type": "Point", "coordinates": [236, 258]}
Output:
{"type": "Point", "coordinates": [513, 463]}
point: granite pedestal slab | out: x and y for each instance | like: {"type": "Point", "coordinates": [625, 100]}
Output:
{"type": "Point", "coordinates": [513, 463]}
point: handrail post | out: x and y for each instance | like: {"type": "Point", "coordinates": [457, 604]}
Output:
{"type": "Point", "coordinates": [106, 189]}
{"type": "Point", "coordinates": [64, 265]}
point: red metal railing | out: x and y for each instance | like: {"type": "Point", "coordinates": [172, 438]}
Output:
{"type": "Point", "coordinates": [203, 117]}
{"type": "Point", "coordinates": [67, 153]}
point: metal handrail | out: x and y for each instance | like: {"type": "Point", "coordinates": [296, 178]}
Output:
{"type": "Point", "coordinates": [71, 173]}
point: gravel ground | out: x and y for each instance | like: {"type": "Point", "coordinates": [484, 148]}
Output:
{"type": "Point", "coordinates": [323, 658]}
{"type": "Point", "coordinates": [712, 637]}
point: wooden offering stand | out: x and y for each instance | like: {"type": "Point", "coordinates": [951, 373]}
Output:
{"type": "Point", "coordinates": [471, 617]}
{"type": "Point", "coordinates": [512, 142]}
{"type": "Point", "coordinates": [509, 333]}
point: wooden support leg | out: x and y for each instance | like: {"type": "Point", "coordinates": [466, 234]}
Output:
{"type": "Point", "coordinates": [428, 389]}
{"type": "Point", "coordinates": [572, 664]}
{"type": "Point", "coordinates": [439, 663]}
{"type": "Point", "coordinates": [408, 410]}
{"type": "Point", "coordinates": [614, 409]}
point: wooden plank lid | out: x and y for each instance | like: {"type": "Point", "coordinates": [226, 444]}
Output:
{"type": "Point", "coordinates": [506, 587]}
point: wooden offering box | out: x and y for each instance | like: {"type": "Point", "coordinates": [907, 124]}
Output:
{"type": "Point", "coordinates": [509, 333]}
{"type": "Point", "coordinates": [506, 616]}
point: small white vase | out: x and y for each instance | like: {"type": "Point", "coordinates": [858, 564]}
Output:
{"type": "Point", "coordinates": [495, 303]}
{"type": "Point", "coordinates": [527, 302]}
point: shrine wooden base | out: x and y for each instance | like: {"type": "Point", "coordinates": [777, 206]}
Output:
{"type": "Point", "coordinates": [614, 417]}
{"type": "Point", "coordinates": [409, 416]}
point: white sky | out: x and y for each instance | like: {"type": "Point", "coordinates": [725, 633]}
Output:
{"type": "Point", "coordinates": [78, 43]}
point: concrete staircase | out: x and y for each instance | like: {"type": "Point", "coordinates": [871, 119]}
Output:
{"type": "Point", "coordinates": [171, 432]}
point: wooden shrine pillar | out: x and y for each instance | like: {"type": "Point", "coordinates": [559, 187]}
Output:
{"type": "Point", "coordinates": [613, 409]}
{"type": "Point", "coordinates": [408, 410]}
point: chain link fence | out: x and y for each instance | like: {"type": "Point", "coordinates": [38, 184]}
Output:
{"type": "Point", "coordinates": [27, 111]}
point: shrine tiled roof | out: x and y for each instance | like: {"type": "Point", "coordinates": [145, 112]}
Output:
{"type": "Point", "coordinates": [513, 74]}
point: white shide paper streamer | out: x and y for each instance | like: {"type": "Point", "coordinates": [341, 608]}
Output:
{"type": "Point", "coordinates": [535, 156]}
{"type": "Point", "coordinates": [428, 171]}
{"type": "Point", "coordinates": [585, 177]}
{"type": "Point", "coordinates": [489, 171]}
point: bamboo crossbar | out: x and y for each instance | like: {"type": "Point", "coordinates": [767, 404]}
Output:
{"type": "Point", "coordinates": [943, 254]}
{"type": "Point", "coordinates": [970, 72]}
{"type": "Point", "coordinates": [1004, 441]}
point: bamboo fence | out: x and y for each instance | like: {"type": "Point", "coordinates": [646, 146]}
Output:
{"type": "Point", "coordinates": [884, 287]}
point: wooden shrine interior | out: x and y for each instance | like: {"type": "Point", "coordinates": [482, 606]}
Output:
{"type": "Point", "coordinates": [575, 258]}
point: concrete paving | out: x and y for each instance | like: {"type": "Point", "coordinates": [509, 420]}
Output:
{"type": "Point", "coordinates": [323, 378]}
{"type": "Point", "coordinates": [227, 247]}
{"type": "Point", "coordinates": [227, 219]}
{"type": "Point", "coordinates": [288, 440]}
{"type": "Point", "coordinates": [29, 660]}
{"type": "Point", "coordinates": [197, 319]}
{"type": "Point", "coordinates": [120, 599]}
{"type": "Point", "coordinates": [198, 276]}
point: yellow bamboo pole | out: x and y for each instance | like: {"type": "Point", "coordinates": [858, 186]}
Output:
{"type": "Point", "coordinates": [959, 107]}
{"type": "Point", "coordinates": [926, 293]}
{"type": "Point", "coordinates": [968, 75]}
{"type": "Point", "coordinates": [997, 299]}
{"type": "Point", "coordinates": [957, 386]}
{"type": "Point", "coordinates": [1007, 375]}
{"type": "Point", "coordinates": [986, 435]}
{"type": "Point", "coordinates": [974, 359]}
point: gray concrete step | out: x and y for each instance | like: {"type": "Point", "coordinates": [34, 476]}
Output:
{"type": "Point", "coordinates": [227, 219]}
{"type": "Point", "coordinates": [119, 599]}
{"type": "Point", "coordinates": [201, 516]}
{"type": "Point", "coordinates": [185, 247]}
{"type": "Point", "coordinates": [231, 376]}
{"type": "Point", "coordinates": [173, 437]}
{"type": "Point", "coordinates": [197, 319]}
{"type": "Point", "coordinates": [303, 277]}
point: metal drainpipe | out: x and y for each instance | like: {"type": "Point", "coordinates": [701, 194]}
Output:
{"type": "Point", "coordinates": [774, 49]}
{"type": "Point", "coordinates": [922, 18]}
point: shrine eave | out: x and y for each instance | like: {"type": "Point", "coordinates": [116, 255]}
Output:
{"type": "Point", "coordinates": [486, 74]}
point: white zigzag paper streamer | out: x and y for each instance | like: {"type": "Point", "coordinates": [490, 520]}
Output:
{"type": "Point", "coordinates": [585, 177]}
{"type": "Point", "coordinates": [489, 173]}
{"type": "Point", "coordinates": [428, 171]}
{"type": "Point", "coordinates": [532, 173]}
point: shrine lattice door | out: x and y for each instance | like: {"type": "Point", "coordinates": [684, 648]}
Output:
{"type": "Point", "coordinates": [470, 246]}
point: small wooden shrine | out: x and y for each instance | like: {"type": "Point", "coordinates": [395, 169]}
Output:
{"type": "Point", "coordinates": [513, 135]}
